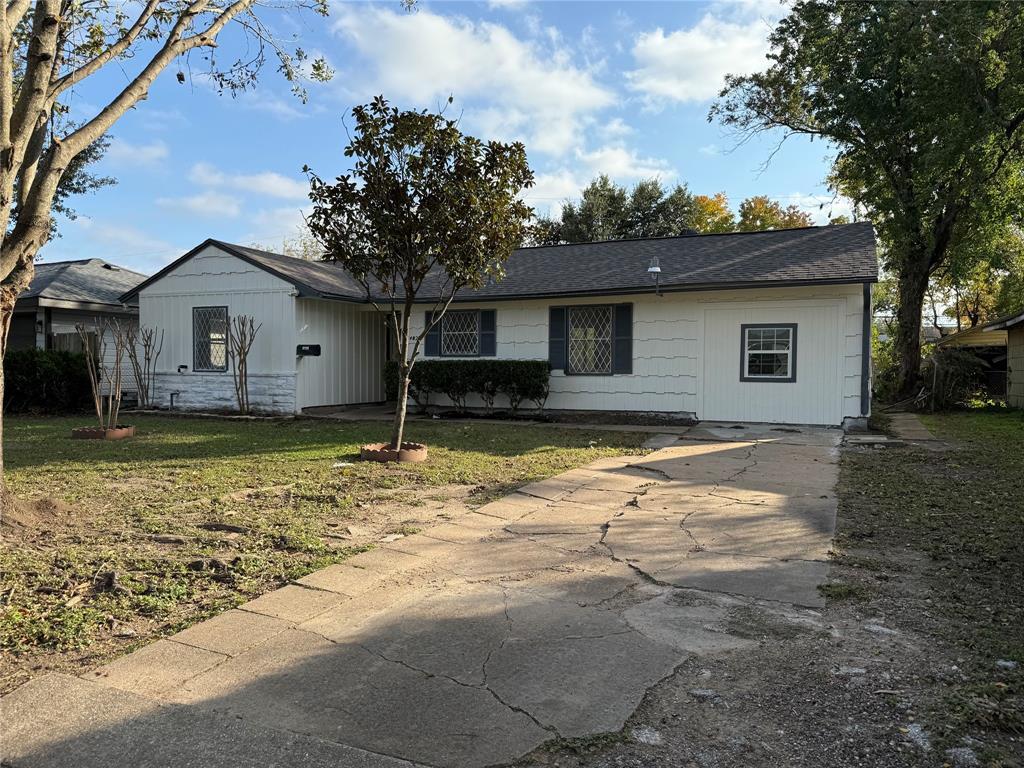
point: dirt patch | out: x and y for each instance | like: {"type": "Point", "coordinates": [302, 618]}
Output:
{"type": "Point", "coordinates": [30, 516]}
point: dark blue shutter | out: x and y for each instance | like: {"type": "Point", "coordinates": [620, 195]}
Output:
{"type": "Point", "coordinates": [488, 333]}
{"type": "Point", "coordinates": [556, 338]}
{"type": "Point", "coordinates": [433, 345]}
{"type": "Point", "coordinates": [622, 339]}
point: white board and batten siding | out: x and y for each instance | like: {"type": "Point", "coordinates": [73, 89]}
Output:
{"type": "Point", "coordinates": [349, 369]}
{"type": "Point", "coordinates": [213, 278]}
{"type": "Point", "coordinates": [351, 339]}
{"type": "Point", "coordinates": [686, 354]}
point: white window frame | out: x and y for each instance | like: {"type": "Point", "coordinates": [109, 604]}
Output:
{"type": "Point", "coordinates": [745, 352]}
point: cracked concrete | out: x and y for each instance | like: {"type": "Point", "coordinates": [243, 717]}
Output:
{"type": "Point", "coordinates": [547, 614]}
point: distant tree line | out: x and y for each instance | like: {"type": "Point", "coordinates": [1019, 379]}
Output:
{"type": "Point", "coordinates": [610, 211]}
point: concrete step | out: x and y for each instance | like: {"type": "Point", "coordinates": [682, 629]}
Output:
{"type": "Point", "coordinates": [59, 721]}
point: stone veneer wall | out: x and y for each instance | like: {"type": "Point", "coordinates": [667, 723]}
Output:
{"type": "Point", "coordinates": [268, 393]}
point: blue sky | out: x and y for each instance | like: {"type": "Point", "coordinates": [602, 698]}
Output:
{"type": "Point", "coordinates": [616, 88]}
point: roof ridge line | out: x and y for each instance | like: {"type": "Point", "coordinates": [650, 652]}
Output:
{"type": "Point", "coordinates": [693, 235]}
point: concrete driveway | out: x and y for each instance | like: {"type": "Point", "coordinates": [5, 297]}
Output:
{"type": "Point", "coordinates": [545, 615]}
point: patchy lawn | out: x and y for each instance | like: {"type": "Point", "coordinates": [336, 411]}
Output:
{"type": "Point", "coordinates": [117, 543]}
{"type": "Point", "coordinates": [935, 541]}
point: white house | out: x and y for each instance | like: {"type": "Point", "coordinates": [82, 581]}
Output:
{"type": "Point", "coordinates": [764, 326]}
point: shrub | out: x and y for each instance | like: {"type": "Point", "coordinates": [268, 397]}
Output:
{"type": "Point", "coordinates": [45, 381]}
{"type": "Point", "coordinates": [885, 367]}
{"type": "Point", "coordinates": [457, 379]}
{"type": "Point", "coordinates": [955, 376]}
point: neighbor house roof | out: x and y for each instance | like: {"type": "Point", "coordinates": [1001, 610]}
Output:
{"type": "Point", "coordinates": [86, 283]}
{"type": "Point", "coordinates": [1007, 322]}
{"type": "Point", "coordinates": [833, 254]}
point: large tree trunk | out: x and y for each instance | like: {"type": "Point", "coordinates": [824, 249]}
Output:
{"type": "Point", "coordinates": [912, 286]}
{"type": "Point", "coordinates": [10, 289]}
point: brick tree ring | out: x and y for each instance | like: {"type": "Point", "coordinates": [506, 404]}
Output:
{"type": "Point", "coordinates": [383, 452]}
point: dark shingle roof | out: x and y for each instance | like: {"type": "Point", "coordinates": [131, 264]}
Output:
{"type": "Point", "coordinates": [317, 277]}
{"type": "Point", "coordinates": [833, 254]}
{"type": "Point", "coordinates": [843, 253]}
{"type": "Point", "coordinates": [87, 281]}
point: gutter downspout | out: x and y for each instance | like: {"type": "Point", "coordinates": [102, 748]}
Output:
{"type": "Point", "coordinates": [865, 357]}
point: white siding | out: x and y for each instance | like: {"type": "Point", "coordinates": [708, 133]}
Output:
{"type": "Point", "coordinates": [64, 321]}
{"type": "Point", "coordinates": [669, 372]}
{"type": "Point", "coordinates": [351, 339]}
{"type": "Point", "coordinates": [215, 278]}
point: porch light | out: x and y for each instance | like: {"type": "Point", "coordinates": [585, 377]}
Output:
{"type": "Point", "coordinates": [655, 271]}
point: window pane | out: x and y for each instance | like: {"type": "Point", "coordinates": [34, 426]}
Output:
{"type": "Point", "coordinates": [210, 337]}
{"type": "Point", "coordinates": [460, 333]}
{"type": "Point", "coordinates": [768, 364]}
{"type": "Point", "coordinates": [769, 339]}
{"type": "Point", "coordinates": [590, 339]}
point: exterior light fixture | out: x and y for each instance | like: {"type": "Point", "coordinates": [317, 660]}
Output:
{"type": "Point", "coordinates": [655, 271]}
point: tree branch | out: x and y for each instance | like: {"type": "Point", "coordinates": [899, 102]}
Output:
{"type": "Point", "coordinates": [93, 65]}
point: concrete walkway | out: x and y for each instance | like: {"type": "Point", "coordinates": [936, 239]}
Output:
{"type": "Point", "coordinates": [547, 614]}
{"type": "Point", "coordinates": [909, 428]}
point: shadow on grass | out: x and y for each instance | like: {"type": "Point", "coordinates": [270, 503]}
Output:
{"type": "Point", "coordinates": [32, 442]}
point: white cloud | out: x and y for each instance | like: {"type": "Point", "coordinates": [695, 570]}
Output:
{"type": "Point", "coordinates": [124, 245]}
{"type": "Point", "coordinates": [203, 204]}
{"type": "Point", "coordinates": [266, 183]}
{"type": "Point", "coordinates": [821, 207]}
{"type": "Point", "coordinates": [527, 89]}
{"type": "Point", "coordinates": [271, 227]}
{"type": "Point", "coordinates": [125, 153]}
{"type": "Point", "coordinates": [690, 64]}
{"type": "Point", "coordinates": [623, 164]}
{"type": "Point", "coordinates": [550, 190]}
{"type": "Point", "coordinates": [615, 128]}
{"type": "Point", "coordinates": [710, 149]}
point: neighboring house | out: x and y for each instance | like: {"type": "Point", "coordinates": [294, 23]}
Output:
{"type": "Point", "coordinates": [988, 344]}
{"type": "Point", "coordinates": [63, 294]}
{"type": "Point", "coordinates": [1013, 327]}
{"type": "Point", "coordinates": [763, 326]}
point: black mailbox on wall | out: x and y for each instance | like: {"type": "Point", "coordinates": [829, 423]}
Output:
{"type": "Point", "coordinates": [307, 350]}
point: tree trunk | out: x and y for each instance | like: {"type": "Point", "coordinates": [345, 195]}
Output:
{"type": "Point", "coordinates": [398, 427]}
{"type": "Point", "coordinates": [7, 299]}
{"type": "Point", "coordinates": [912, 285]}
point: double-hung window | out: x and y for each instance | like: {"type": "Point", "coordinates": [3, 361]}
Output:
{"type": "Point", "coordinates": [210, 339]}
{"type": "Point", "coordinates": [768, 352]}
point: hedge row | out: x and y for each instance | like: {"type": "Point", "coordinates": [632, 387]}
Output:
{"type": "Point", "coordinates": [518, 380]}
{"type": "Point", "coordinates": [45, 381]}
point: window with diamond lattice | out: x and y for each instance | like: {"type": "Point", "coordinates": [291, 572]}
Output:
{"type": "Point", "coordinates": [590, 339]}
{"type": "Point", "coordinates": [210, 338]}
{"type": "Point", "coordinates": [460, 333]}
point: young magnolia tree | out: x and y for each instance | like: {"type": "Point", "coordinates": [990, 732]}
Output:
{"type": "Point", "coordinates": [924, 103]}
{"type": "Point", "coordinates": [425, 212]}
{"type": "Point", "coordinates": [49, 48]}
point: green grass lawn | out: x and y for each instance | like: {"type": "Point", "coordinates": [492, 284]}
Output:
{"type": "Point", "coordinates": [123, 541]}
{"type": "Point", "coordinates": [963, 509]}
